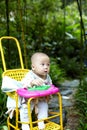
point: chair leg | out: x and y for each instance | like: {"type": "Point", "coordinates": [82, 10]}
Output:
{"type": "Point", "coordinates": [8, 123]}
{"type": "Point", "coordinates": [60, 109]}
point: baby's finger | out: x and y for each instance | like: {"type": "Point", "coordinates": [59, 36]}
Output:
{"type": "Point", "coordinates": [39, 82]}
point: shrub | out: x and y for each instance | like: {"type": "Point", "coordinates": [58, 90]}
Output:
{"type": "Point", "coordinates": [57, 74]}
{"type": "Point", "coordinates": [81, 104]}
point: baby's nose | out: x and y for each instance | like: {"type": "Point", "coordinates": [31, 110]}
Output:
{"type": "Point", "coordinates": [46, 66]}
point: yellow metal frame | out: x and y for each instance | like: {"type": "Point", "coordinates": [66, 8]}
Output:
{"type": "Point", "coordinates": [49, 124]}
{"type": "Point", "coordinates": [18, 74]}
{"type": "Point", "coordinates": [2, 52]}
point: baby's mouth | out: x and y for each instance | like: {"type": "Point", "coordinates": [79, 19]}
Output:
{"type": "Point", "coordinates": [45, 71]}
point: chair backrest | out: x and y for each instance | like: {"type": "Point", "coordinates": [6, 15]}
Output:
{"type": "Point", "coordinates": [16, 74]}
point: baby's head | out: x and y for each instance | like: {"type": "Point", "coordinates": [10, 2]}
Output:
{"type": "Point", "coordinates": [40, 63]}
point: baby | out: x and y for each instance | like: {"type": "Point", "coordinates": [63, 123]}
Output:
{"type": "Point", "coordinates": [37, 76]}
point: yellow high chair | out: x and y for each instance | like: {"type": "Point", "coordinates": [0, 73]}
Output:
{"type": "Point", "coordinates": [18, 74]}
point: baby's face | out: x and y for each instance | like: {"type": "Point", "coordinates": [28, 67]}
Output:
{"type": "Point", "coordinates": [41, 66]}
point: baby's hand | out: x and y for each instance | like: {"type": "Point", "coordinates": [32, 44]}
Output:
{"type": "Point", "coordinates": [37, 82]}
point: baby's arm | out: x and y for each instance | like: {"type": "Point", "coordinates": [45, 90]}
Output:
{"type": "Point", "coordinates": [26, 80]}
{"type": "Point", "coordinates": [29, 81]}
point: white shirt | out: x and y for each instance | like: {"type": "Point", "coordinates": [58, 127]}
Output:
{"type": "Point", "coordinates": [31, 76]}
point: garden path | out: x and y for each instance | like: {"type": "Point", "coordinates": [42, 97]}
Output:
{"type": "Point", "coordinates": [70, 116]}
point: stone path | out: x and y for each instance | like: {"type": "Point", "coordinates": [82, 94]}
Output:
{"type": "Point", "coordinates": [68, 89]}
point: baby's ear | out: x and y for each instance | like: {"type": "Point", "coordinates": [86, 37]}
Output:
{"type": "Point", "coordinates": [32, 66]}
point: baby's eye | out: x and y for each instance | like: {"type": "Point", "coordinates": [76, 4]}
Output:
{"type": "Point", "coordinates": [42, 64]}
{"type": "Point", "coordinates": [48, 64]}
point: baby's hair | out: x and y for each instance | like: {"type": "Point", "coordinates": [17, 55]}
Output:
{"type": "Point", "coordinates": [33, 57]}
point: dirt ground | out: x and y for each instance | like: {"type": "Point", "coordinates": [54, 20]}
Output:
{"type": "Point", "coordinates": [72, 119]}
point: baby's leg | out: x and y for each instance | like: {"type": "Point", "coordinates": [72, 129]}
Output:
{"type": "Point", "coordinates": [42, 113]}
{"type": "Point", "coordinates": [24, 115]}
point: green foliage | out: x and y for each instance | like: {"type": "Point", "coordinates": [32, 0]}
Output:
{"type": "Point", "coordinates": [57, 74]}
{"type": "Point", "coordinates": [81, 104]}
{"type": "Point", "coordinates": [47, 26]}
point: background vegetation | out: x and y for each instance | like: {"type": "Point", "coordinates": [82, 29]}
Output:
{"type": "Point", "coordinates": [51, 26]}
